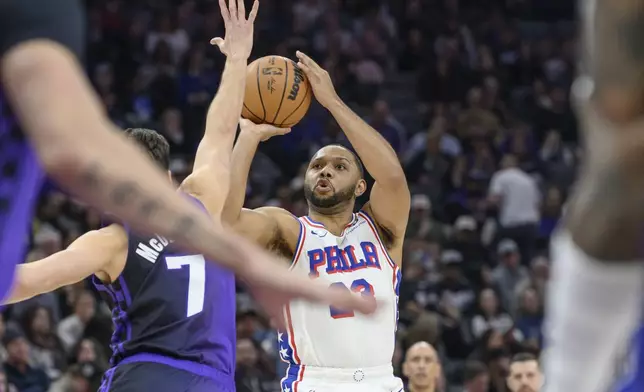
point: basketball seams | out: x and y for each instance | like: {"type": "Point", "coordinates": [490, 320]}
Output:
{"type": "Point", "coordinates": [267, 79]}
{"type": "Point", "coordinates": [308, 91]}
{"type": "Point", "coordinates": [252, 113]}
{"type": "Point", "coordinates": [283, 91]}
{"type": "Point", "coordinates": [259, 92]}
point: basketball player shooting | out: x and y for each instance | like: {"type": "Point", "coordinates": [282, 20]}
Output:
{"type": "Point", "coordinates": [79, 147]}
{"type": "Point", "coordinates": [330, 349]}
{"type": "Point", "coordinates": [595, 297]}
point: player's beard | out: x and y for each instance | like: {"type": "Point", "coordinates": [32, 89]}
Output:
{"type": "Point", "coordinates": [331, 201]}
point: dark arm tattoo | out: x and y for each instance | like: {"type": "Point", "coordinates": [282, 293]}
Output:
{"type": "Point", "coordinates": [144, 205]}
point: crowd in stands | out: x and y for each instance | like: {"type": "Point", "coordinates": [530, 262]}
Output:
{"type": "Point", "coordinates": [489, 147]}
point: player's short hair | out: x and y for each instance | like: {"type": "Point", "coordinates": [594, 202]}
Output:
{"type": "Point", "coordinates": [153, 142]}
{"type": "Point", "coordinates": [473, 369]}
{"type": "Point", "coordinates": [524, 357]}
{"type": "Point", "coordinates": [356, 158]}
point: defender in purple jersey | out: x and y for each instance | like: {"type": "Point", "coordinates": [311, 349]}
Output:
{"type": "Point", "coordinates": [172, 309]}
{"type": "Point", "coordinates": [173, 313]}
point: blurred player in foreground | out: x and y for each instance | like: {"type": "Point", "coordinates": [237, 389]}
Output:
{"type": "Point", "coordinates": [422, 368]}
{"type": "Point", "coordinates": [79, 147]}
{"type": "Point", "coordinates": [332, 349]}
{"type": "Point", "coordinates": [525, 374]}
{"type": "Point", "coordinates": [595, 296]}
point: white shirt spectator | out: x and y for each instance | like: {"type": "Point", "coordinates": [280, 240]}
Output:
{"type": "Point", "coordinates": [501, 323]}
{"type": "Point", "coordinates": [178, 40]}
{"type": "Point", "coordinates": [368, 71]}
{"type": "Point", "coordinates": [307, 12]}
{"type": "Point", "coordinates": [519, 197]}
{"type": "Point", "coordinates": [70, 330]}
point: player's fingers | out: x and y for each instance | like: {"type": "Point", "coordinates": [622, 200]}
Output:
{"type": "Point", "coordinates": [253, 12]}
{"type": "Point", "coordinates": [219, 42]}
{"type": "Point", "coordinates": [304, 68]}
{"type": "Point", "coordinates": [224, 11]}
{"type": "Point", "coordinates": [306, 60]}
{"type": "Point", "coordinates": [273, 130]}
{"type": "Point", "coordinates": [232, 8]}
{"type": "Point", "coordinates": [302, 57]}
{"type": "Point", "coordinates": [346, 300]}
{"type": "Point", "coordinates": [241, 10]}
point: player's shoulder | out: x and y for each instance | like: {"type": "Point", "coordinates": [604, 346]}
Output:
{"type": "Point", "coordinates": [60, 21]}
{"type": "Point", "coordinates": [276, 212]}
{"type": "Point", "coordinates": [286, 223]}
{"type": "Point", "coordinates": [386, 233]}
{"type": "Point", "coordinates": [113, 236]}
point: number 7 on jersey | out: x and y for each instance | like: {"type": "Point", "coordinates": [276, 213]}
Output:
{"type": "Point", "coordinates": [196, 279]}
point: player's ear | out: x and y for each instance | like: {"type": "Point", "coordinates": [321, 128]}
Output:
{"type": "Point", "coordinates": [405, 369]}
{"type": "Point", "coordinates": [361, 188]}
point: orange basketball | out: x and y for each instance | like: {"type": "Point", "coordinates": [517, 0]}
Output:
{"type": "Point", "coordinates": [277, 92]}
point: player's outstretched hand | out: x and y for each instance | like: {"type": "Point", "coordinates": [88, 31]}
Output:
{"type": "Point", "coordinates": [319, 78]}
{"type": "Point", "coordinates": [238, 42]}
{"type": "Point", "coordinates": [263, 132]}
{"type": "Point", "coordinates": [273, 287]}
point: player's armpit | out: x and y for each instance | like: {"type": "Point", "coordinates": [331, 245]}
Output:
{"type": "Point", "coordinates": [89, 254]}
{"type": "Point", "coordinates": [267, 226]}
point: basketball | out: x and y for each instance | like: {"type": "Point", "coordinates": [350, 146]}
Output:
{"type": "Point", "coordinates": [277, 92]}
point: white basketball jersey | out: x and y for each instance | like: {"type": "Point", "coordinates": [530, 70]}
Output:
{"type": "Point", "coordinates": [357, 260]}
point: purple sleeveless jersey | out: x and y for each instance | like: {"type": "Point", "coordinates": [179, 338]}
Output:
{"type": "Point", "coordinates": [20, 180]}
{"type": "Point", "coordinates": [173, 308]}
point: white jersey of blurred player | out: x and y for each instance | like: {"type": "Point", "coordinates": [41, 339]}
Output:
{"type": "Point", "coordinates": [357, 260]}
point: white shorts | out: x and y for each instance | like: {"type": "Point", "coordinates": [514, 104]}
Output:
{"type": "Point", "coordinates": [303, 378]}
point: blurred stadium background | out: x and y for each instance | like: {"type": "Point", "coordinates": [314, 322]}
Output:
{"type": "Point", "coordinates": [458, 87]}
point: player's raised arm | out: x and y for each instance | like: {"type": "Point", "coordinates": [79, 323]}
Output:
{"type": "Point", "coordinates": [212, 162]}
{"type": "Point", "coordinates": [89, 254]}
{"type": "Point", "coordinates": [260, 225]}
{"type": "Point", "coordinates": [390, 199]}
